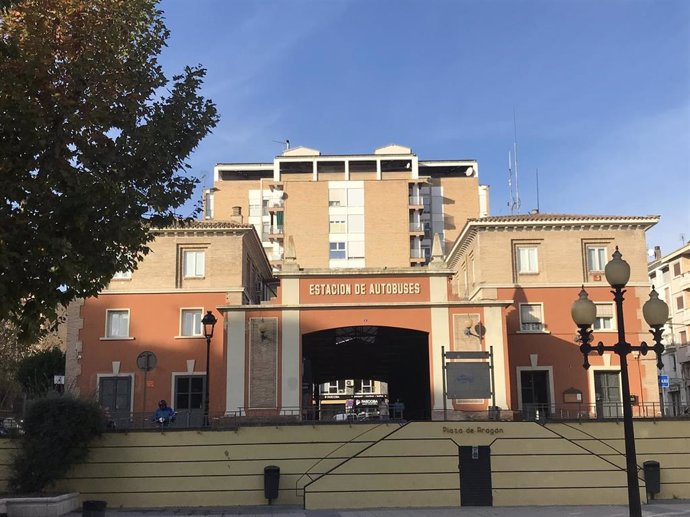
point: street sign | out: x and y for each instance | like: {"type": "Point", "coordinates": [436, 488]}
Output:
{"type": "Point", "coordinates": [468, 380]}
{"type": "Point", "coordinates": [663, 381]}
{"type": "Point", "coordinates": [146, 361]}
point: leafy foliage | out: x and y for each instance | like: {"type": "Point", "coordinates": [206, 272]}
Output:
{"type": "Point", "coordinates": [93, 143]}
{"type": "Point", "coordinates": [57, 433]}
{"type": "Point", "coordinates": [35, 372]}
{"type": "Point", "coordinates": [12, 353]}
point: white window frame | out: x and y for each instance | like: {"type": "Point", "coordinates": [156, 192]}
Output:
{"type": "Point", "coordinates": [337, 224]}
{"type": "Point", "coordinates": [599, 258]}
{"type": "Point", "coordinates": [598, 327]}
{"type": "Point", "coordinates": [523, 324]}
{"type": "Point", "coordinates": [122, 275]}
{"type": "Point", "coordinates": [339, 247]}
{"type": "Point", "coordinates": [337, 197]}
{"type": "Point", "coordinates": [108, 313]}
{"type": "Point", "coordinates": [332, 388]}
{"type": "Point", "coordinates": [355, 197]}
{"type": "Point", "coordinates": [355, 249]}
{"type": "Point", "coordinates": [531, 264]}
{"type": "Point", "coordinates": [367, 386]}
{"type": "Point", "coordinates": [199, 267]}
{"type": "Point", "coordinates": [191, 310]}
{"type": "Point", "coordinates": [552, 391]}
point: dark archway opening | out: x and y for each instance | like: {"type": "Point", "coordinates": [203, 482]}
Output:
{"type": "Point", "coordinates": [397, 356]}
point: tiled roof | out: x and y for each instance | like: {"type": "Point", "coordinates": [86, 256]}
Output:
{"type": "Point", "coordinates": [206, 225]}
{"type": "Point", "coordinates": [520, 218]}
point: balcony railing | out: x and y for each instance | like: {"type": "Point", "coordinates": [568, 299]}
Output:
{"type": "Point", "coordinates": [685, 281]}
{"type": "Point", "coordinates": [417, 254]}
{"type": "Point", "coordinates": [272, 229]}
{"type": "Point", "coordinates": [416, 227]}
{"type": "Point", "coordinates": [416, 200]}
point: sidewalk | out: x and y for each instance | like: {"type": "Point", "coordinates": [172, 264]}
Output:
{"type": "Point", "coordinates": [666, 509]}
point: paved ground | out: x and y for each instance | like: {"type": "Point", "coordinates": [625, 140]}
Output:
{"type": "Point", "coordinates": [666, 508]}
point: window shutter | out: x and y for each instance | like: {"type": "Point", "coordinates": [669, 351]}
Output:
{"type": "Point", "coordinates": [530, 313]}
{"type": "Point", "coordinates": [604, 310]}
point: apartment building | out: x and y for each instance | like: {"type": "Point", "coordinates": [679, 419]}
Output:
{"type": "Point", "coordinates": [670, 275]}
{"type": "Point", "coordinates": [351, 211]}
{"type": "Point", "coordinates": [346, 278]}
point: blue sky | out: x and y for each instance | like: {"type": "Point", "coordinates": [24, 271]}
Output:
{"type": "Point", "coordinates": [600, 89]}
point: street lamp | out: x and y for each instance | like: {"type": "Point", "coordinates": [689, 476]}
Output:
{"type": "Point", "coordinates": [655, 313]}
{"type": "Point", "coordinates": [209, 322]}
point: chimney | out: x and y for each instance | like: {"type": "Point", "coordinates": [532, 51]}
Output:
{"type": "Point", "coordinates": [657, 252]}
{"type": "Point", "coordinates": [236, 216]}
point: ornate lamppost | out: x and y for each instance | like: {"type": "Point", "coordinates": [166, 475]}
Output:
{"type": "Point", "coordinates": [655, 312]}
{"type": "Point", "coordinates": [209, 322]}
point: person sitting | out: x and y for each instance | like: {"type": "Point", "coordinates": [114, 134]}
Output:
{"type": "Point", "coordinates": [164, 414]}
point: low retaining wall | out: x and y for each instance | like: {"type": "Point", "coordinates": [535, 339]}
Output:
{"type": "Point", "coordinates": [39, 506]}
{"type": "Point", "coordinates": [376, 465]}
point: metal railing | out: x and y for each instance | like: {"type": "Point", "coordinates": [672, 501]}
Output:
{"type": "Point", "coordinates": [124, 421]}
{"type": "Point", "coordinates": [542, 413]}
{"type": "Point", "coordinates": [416, 200]}
{"type": "Point", "coordinates": [416, 226]}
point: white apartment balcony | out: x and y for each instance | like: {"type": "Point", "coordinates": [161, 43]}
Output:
{"type": "Point", "coordinates": [683, 353]}
{"type": "Point", "coordinates": [417, 256]}
{"type": "Point", "coordinates": [684, 282]}
{"type": "Point", "coordinates": [273, 232]}
{"type": "Point", "coordinates": [416, 202]}
{"type": "Point", "coordinates": [417, 228]}
{"type": "Point", "coordinates": [275, 205]}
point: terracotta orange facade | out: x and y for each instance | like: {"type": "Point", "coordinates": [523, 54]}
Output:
{"type": "Point", "coordinates": [380, 266]}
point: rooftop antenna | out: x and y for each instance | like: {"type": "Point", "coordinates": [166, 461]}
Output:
{"type": "Point", "coordinates": [537, 189]}
{"type": "Point", "coordinates": [514, 203]}
{"type": "Point", "coordinates": [682, 238]}
{"type": "Point", "coordinates": [285, 142]}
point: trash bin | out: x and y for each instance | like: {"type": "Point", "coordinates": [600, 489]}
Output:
{"type": "Point", "coordinates": [271, 481]}
{"type": "Point", "coordinates": [494, 413]}
{"type": "Point", "coordinates": [652, 477]}
{"type": "Point", "coordinates": [93, 508]}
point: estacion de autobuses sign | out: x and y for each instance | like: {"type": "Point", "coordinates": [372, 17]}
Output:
{"type": "Point", "coordinates": [363, 288]}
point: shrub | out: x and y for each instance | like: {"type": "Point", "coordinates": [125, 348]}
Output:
{"type": "Point", "coordinates": [57, 433]}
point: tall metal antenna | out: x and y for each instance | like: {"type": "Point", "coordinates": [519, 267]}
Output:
{"type": "Point", "coordinates": [514, 203]}
{"type": "Point", "coordinates": [537, 189]}
{"type": "Point", "coordinates": [285, 142]}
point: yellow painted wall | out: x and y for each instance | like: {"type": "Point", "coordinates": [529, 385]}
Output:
{"type": "Point", "coordinates": [369, 465]}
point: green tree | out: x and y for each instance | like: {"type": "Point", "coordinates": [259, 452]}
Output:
{"type": "Point", "coordinates": [93, 146]}
{"type": "Point", "coordinates": [36, 372]}
{"type": "Point", "coordinates": [57, 433]}
{"type": "Point", "coordinates": [13, 353]}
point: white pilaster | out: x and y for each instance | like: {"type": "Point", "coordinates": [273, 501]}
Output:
{"type": "Point", "coordinates": [440, 336]}
{"type": "Point", "coordinates": [493, 321]}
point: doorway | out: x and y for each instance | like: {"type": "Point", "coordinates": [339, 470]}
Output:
{"type": "Point", "coordinates": [475, 476]}
{"type": "Point", "coordinates": [534, 388]}
{"type": "Point", "coordinates": [396, 356]}
{"type": "Point", "coordinates": [115, 397]}
{"type": "Point", "coordinates": [607, 390]}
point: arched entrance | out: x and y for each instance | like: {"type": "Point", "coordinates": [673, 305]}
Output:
{"type": "Point", "coordinates": [397, 356]}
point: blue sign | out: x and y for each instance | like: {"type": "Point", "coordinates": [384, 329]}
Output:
{"type": "Point", "coordinates": [663, 381]}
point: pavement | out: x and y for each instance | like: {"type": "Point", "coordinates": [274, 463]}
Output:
{"type": "Point", "coordinates": [665, 508]}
